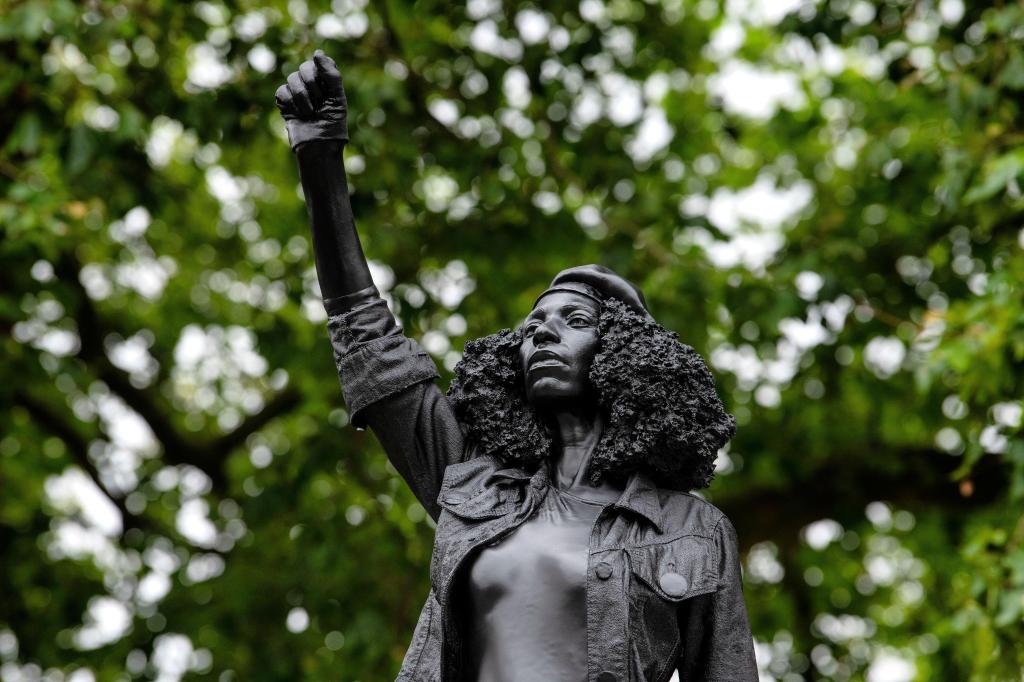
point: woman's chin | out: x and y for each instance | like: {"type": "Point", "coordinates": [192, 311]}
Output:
{"type": "Point", "coordinates": [547, 392]}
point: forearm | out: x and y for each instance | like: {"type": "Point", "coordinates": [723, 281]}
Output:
{"type": "Point", "coordinates": [340, 264]}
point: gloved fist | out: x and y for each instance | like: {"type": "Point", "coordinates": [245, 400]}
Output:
{"type": "Point", "coordinates": [313, 103]}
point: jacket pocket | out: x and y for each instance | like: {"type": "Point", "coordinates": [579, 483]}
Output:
{"type": "Point", "coordinates": [677, 569]}
{"type": "Point", "coordinates": [662, 576]}
{"type": "Point", "coordinates": [489, 503]}
{"type": "Point", "coordinates": [469, 491]}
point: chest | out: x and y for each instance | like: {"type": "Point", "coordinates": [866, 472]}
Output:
{"type": "Point", "coordinates": [610, 578]}
{"type": "Point", "coordinates": [548, 552]}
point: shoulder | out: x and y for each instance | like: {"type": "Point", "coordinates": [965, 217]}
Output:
{"type": "Point", "coordinates": [477, 473]}
{"type": "Point", "coordinates": [479, 489]}
{"type": "Point", "coordinates": [469, 474]}
{"type": "Point", "coordinates": [689, 514]}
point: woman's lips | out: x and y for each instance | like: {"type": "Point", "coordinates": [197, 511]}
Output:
{"type": "Point", "coordinates": [546, 359]}
{"type": "Point", "coordinates": [546, 362]}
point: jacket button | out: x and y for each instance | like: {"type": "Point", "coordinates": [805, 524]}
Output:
{"type": "Point", "coordinates": [455, 497]}
{"type": "Point", "coordinates": [604, 571]}
{"type": "Point", "coordinates": [607, 677]}
{"type": "Point", "coordinates": [674, 584]}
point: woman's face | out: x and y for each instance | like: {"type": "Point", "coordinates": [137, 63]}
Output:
{"type": "Point", "coordinates": [560, 339]}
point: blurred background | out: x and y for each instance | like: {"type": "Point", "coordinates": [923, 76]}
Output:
{"type": "Point", "coordinates": [822, 197]}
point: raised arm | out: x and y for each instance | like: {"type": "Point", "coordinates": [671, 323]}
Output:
{"type": "Point", "coordinates": [315, 109]}
{"type": "Point", "coordinates": [386, 378]}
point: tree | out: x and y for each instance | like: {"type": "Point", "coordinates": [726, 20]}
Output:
{"type": "Point", "coordinates": [823, 199]}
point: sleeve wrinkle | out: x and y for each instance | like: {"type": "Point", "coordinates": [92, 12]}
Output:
{"type": "Point", "coordinates": [373, 358]}
{"type": "Point", "coordinates": [387, 381]}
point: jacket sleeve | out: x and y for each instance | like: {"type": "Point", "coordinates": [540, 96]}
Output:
{"type": "Point", "coordinates": [717, 643]}
{"type": "Point", "coordinates": [387, 381]}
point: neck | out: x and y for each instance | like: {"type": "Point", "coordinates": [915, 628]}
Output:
{"type": "Point", "coordinates": [578, 431]}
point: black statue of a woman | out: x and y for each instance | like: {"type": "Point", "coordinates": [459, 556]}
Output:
{"type": "Point", "coordinates": [557, 466]}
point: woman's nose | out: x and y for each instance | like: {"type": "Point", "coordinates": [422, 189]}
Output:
{"type": "Point", "coordinates": [544, 333]}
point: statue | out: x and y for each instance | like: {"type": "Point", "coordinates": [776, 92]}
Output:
{"type": "Point", "coordinates": [557, 466]}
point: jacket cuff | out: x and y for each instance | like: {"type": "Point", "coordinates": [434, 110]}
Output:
{"type": "Point", "coordinates": [339, 305]}
{"type": "Point", "coordinates": [373, 358]}
{"type": "Point", "coordinates": [356, 319]}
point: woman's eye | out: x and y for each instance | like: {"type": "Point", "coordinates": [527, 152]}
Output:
{"type": "Point", "coordinates": [579, 322]}
{"type": "Point", "coordinates": [528, 331]}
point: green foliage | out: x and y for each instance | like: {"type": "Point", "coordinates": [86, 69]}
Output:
{"type": "Point", "coordinates": [835, 223]}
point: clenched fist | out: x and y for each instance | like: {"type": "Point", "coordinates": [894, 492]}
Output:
{"type": "Point", "coordinates": [313, 103]}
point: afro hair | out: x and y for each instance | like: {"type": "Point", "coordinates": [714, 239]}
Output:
{"type": "Point", "coordinates": [662, 413]}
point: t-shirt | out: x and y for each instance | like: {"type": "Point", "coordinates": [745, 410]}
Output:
{"type": "Point", "coordinates": [527, 595]}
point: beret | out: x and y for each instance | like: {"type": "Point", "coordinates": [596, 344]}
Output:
{"type": "Point", "coordinates": [599, 283]}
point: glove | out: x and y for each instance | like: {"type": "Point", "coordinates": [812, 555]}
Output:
{"type": "Point", "coordinates": [313, 103]}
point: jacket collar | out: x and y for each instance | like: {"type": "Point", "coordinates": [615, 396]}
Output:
{"type": "Point", "coordinates": [640, 495]}
{"type": "Point", "coordinates": [516, 474]}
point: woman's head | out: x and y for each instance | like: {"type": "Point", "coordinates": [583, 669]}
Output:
{"type": "Point", "coordinates": [559, 341]}
{"type": "Point", "coordinates": [661, 411]}
{"type": "Point", "coordinates": [560, 335]}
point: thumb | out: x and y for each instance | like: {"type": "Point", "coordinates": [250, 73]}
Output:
{"type": "Point", "coordinates": [328, 76]}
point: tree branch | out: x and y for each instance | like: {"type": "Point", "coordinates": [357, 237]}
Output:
{"type": "Point", "coordinates": [281, 403]}
{"type": "Point", "coordinates": [78, 446]}
{"type": "Point", "coordinates": [417, 85]}
{"type": "Point", "coordinates": [178, 448]}
{"type": "Point", "coordinates": [146, 402]}
{"type": "Point", "coordinates": [843, 485]}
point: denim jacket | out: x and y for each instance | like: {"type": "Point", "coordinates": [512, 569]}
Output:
{"type": "Point", "coordinates": [663, 583]}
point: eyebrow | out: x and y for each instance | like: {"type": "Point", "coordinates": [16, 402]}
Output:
{"type": "Point", "coordinates": [566, 308]}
